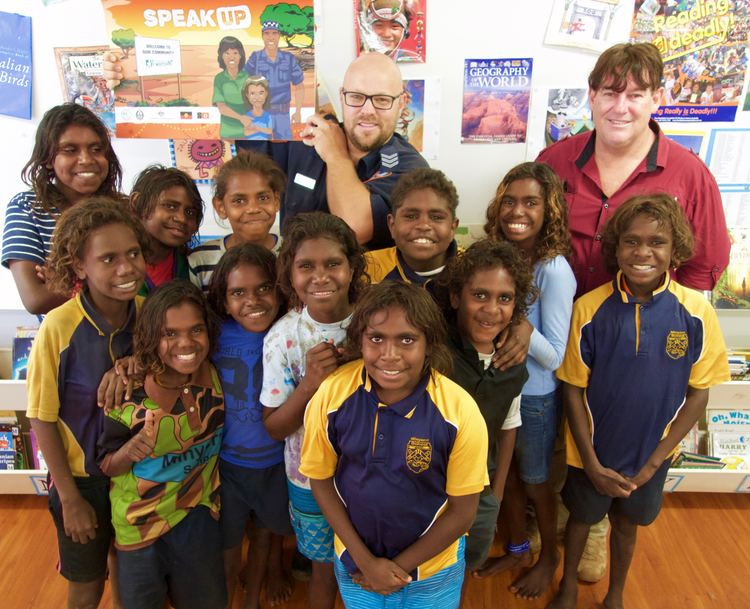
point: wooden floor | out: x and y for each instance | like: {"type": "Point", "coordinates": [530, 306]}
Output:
{"type": "Point", "coordinates": [696, 556]}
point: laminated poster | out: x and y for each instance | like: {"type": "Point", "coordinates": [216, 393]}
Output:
{"type": "Point", "coordinates": [208, 69]}
{"type": "Point", "coordinates": [584, 24]}
{"type": "Point", "coordinates": [15, 65]}
{"type": "Point", "coordinates": [568, 113]}
{"type": "Point", "coordinates": [496, 100]}
{"type": "Point", "coordinates": [704, 47]}
{"type": "Point", "coordinates": [82, 82]}
{"type": "Point", "coordinates": [394, 27]}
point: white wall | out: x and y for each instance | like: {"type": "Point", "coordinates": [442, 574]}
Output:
{"type": "Point", "coordinates": [478, 28]}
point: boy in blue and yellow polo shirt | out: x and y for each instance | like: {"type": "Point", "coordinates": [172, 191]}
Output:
{"type": "Point", "coordinates": [641, 356]}
{"type": "Point", "coordinates": [423, 225]}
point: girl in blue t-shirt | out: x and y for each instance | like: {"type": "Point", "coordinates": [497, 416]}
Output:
{"type": "Point", "coordinates": [529, 211]}
{"type": "Point", "coordinates": [253, 480]}
{"type": "Point", "coordinates": [256, 94]}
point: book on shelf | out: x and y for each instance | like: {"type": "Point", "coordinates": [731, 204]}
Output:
{"type": "Point", "coordinates": [12, 448]}
{"type": "Point", "coordinates": [689, 460]}
{"type": "Point", "coordinates": [728, 419]}
{"type": "Point", "coordinates": [37, 458]}
{"type": "Point", "coordinates": [21, 349]}
{"type": "Point", "coordinates": [694, 441]}
{"type": "Point", "coordinates": [732, 447]}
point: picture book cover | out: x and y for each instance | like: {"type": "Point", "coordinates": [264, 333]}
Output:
{"type": "Point", "coordinates": [207, 69]}
{"type": "Point", "coordinates": [568, 113]}
{"type": "Point", "coordinates": [20, 351]}
{"type": "Point", "coordinates": [397, 28]}
{"type": "Point", "coordinates": [411, 120]}
{"type": "Point", "coordinates": [15, 65]}
{"type": "Point", "coordinates": [82, 82]}
{"type": "Point", "coordinates": [704, 48]}
{"type": "Point", "coordinates": [496, 100]}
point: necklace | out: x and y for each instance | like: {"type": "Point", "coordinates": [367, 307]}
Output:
{"type": "Point", "coordinates": [172, 387]}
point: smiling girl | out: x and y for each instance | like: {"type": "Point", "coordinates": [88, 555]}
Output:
{"type": "Point", "coordinates": [72, 159]}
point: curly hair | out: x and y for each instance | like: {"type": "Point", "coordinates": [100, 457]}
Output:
{"type": "Point", "coordinates": [483, 255]}
{"type": "Point", "coordinates": [247, 161]}
{"type": "Point", "coordinates": [153, 181]}
{"type": "Point", "coordinates": [640, 61]}
{"type": "Point", "coordinates": [425, 177]}
{"type": "Point", "coordinates": [150, 325]}
{"type": "Point", "coordinates": [553, 238]}
{"type": "Point", "coordinates": [72, 232]}
{"type": "Point", "coordinates": [38, 173]}
{"type": "Point", "coordinates": [249, 254]}
{"type": "Point", "coordinates": [317, 225]}
{"type": "Point", "coordinates": [421, 312]}
{"type": "Point", "coordinates": [668, 215]}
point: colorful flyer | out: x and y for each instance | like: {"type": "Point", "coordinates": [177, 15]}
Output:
{"type": "Point", "coordinates": [411, 120]}
{"type": "Point", "coordinates": [203, 70]}
{"type": "Point", "coordinates": [704, 48]}
{"type": "Point", "coordinates": [394, 27]}
{"type": "Point", "coordinates": [584, 24]}
{"type": "Point", "coordinates": [200, 159]}
{"type": "Point", "coordinates": [82, 82]}
{"type": "Point", "coordinates": [496, 100]}
{"type": "Point", "coordinates": [568, 113]}
{"type": "Point", "coordinates": [15, 65]}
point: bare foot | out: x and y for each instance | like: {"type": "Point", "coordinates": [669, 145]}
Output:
{"type": "Point", "coordinates": [613, 601]}
{"type": "Point", "coordinates": [565, 598]}
{"type": "Point", "coordinates": [534, 583]}
{"type": "Point", "coordinates": [278, 587]}
{"type": "Point", "coordinates": [503, 563]}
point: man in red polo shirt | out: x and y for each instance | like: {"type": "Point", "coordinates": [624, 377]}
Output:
{"type": "Point", "coordinates": [627, 155]}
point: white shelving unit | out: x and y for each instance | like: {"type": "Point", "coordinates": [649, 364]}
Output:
{"type": "Point", "coordinates": [20, 481]}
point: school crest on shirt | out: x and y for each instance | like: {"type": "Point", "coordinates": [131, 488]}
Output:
{"type": "Point", "coordinates": [677, 344]}
{"type": "Point", "coordinates": [418, 454]}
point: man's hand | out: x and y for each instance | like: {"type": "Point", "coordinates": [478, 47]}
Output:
{"type": "Point", "coordinates": [326, 137]}
{"type": "Point", "coordinates": [79, 519]}
{"type": "Point", "coordinates": [382, 576]}
{"type": "Point", "coordinates": [112, 69]}
{"type": "Point", "coordinates": [608, 482]}
{"type": "Point", "coordinates": [513, 345]}
{"type": "Point", "coordinates": [142, 444]}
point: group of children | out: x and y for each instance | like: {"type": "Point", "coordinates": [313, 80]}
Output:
{"type": "Point", "coordinates": [382, 415]}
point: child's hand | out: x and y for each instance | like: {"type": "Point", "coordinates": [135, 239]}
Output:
{"type": "Point", "coordinates": [608, 482]}
{"type": "Point", "coordinates": [320, 361]}
{"type": "Point", "coordinates": [142, 444]}
{"type": "Point", "coordinates": [79, 520]}
{"type": "Point", "coordinates": [643, 476]}
{"type": "Point", "coordinates": [513, 345]}
{"type": "Point", "coordinates": [41, 272]}
{"type": "Point", "coordinates": [382, 576]}
{"type": "Point", "coordinates": [116, 385]}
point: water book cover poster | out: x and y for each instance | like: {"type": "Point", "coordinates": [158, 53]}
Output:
{"type": "Point", "coordinates": [397, 28]}
{"type": "Point", "coordinates": [15, 65]}
{"type": "Point", "coordinates": [209, 69]}
{"type": "Point", "coordinates": [496, 100]}
{"type": "Point", "coordinates": [704, 47]}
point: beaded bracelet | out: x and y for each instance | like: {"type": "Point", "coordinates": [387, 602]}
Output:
{"type": "Point", "coordinates": [520, 548]}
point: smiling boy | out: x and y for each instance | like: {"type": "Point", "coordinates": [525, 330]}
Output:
{"type": "Point", "coordinates": [423, 225]}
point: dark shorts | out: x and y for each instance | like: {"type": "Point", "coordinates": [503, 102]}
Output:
{"type": "Point", "coordinates": [535, 439]}
{"type": "Point", "coordinates": [184, 565]}
{"type": "Point", "coordinates": [482, 531]}
{"type": "Point", "coordinates": [85, 562]}
{"type": "Point", "coordinates": [248, 493]}
{"type": "Point", "coordinates": [585, 503]}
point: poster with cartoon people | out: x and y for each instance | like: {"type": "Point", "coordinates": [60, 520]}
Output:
{"type": "Point", "coordinates": [202, 70]}
{"type": "Point", "coordinates": [705, 53]}
{"type": "Point", "coordinates": [394, 27]}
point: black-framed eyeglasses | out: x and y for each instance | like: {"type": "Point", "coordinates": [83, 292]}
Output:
{"type": "Point", "coordinates": [380, 101]}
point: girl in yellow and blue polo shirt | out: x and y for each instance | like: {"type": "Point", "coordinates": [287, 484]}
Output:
{"type": "Point", "coordinates": [396, 455]}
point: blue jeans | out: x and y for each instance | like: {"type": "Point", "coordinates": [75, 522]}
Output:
{"type": "Point", "coordinates": [535, 441]}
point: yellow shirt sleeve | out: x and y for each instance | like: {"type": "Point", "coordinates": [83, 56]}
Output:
{"type": "Point", "coordinates": [319, 459]}
{"type": "Point", "coordinates": [43, 401]}
{"type": "Point", "coordinates": [712, 367]}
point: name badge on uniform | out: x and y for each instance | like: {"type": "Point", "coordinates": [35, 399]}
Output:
{"type": "Point", "coordinates": [304, 181]}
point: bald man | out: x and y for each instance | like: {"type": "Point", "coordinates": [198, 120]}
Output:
{"type": "Point", "coordinates": [351, 171]}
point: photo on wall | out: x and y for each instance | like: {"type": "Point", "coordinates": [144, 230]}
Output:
{"type": "Point", "coordinates": [584, 24]}
{"type": "Point", "coordinates": [496, 100]}
{"type": "Point", "coordinates": [205, 70]}
{"type": "Point", "coordinates": [568, 113]}
{"type": "Point", "coordinates": [394, 27]}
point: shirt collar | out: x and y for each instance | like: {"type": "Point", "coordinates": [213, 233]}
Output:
{"type": "Point", "coordinates": [167, 398]}
{"type": "Point", "coordinates": [403, 407]}
{"type": "Point", "coordinates": [627, 297]}
{"type": "Point", "coordinates": [97, 320]}
{"type": "Point", "coordinates": [656, 157]}
{"type": "Point", "coordinates": [410, 275]}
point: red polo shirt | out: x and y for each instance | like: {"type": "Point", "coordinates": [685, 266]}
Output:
{"type": "Point", "coordinates": [668, 167]}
